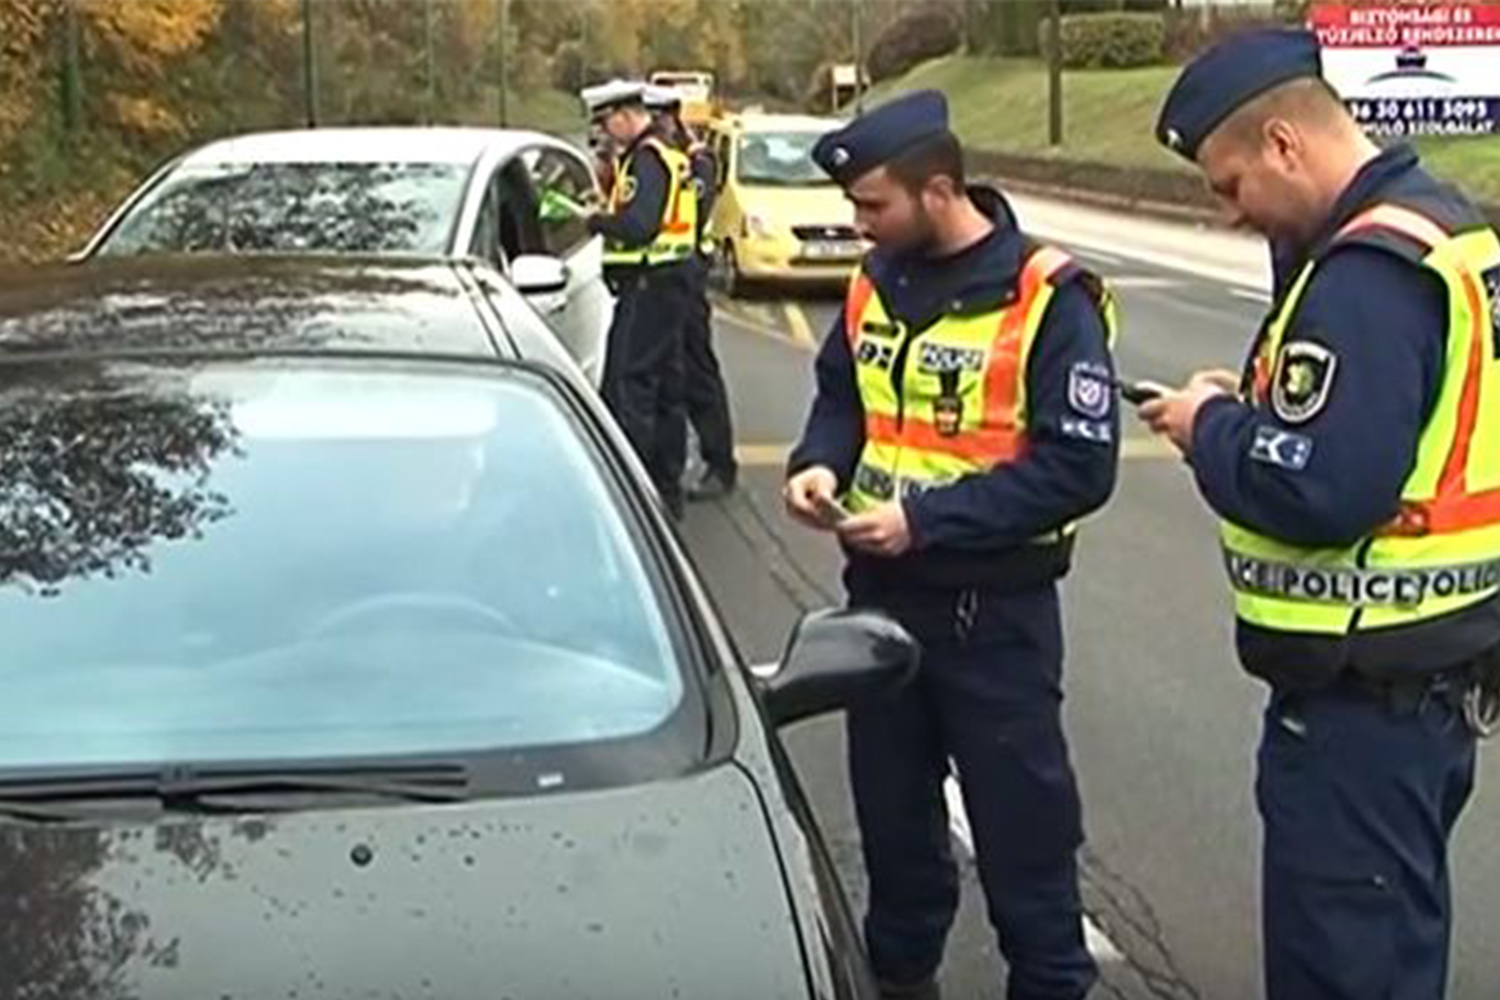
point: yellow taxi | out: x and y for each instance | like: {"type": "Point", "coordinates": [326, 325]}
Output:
{"type": "Point", "coordinates": [778, 217]}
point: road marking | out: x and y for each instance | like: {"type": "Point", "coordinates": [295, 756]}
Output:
{"type": "Point", "coordinates": [761, 454]}
{"type": "Point", "coordinates": [1102, 258]}
{"type": "Point", "coordinates": [779, 334]}
{"type": "Point", "coordinates": [1132, 449]}
{"type": "Point", "coordinates": [796, 321]}
{"type": "Point", "coordinates": [1142, 281]}
{"type": "Point", "coordinates": [1094, 938]}
{"type": "Point", "coordinates": [1250, 294]}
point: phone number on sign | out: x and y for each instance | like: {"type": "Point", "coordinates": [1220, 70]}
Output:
{"type": "Point", "coordinates": [1427, 116]}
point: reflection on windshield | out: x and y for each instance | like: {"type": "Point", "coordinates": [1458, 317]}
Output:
{"type": "Point", "coordinates": [79, 940]}
{"type": "Point", "coordinates": [297, 208]}
{"type": "Point", "coordinates": [270, 562]}
{"type": "Point", "coordinates": [93, 478]}
{"type": "Point", "coordinates": [780, 158]}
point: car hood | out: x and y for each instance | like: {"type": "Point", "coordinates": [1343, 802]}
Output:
{"type": "Point", "coordinates": [799, 206]}
{"type": "Point", "coordinates": [669, 890]}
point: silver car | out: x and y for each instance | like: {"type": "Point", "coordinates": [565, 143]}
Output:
{"type": "Point", "coordinates": [511, 199]}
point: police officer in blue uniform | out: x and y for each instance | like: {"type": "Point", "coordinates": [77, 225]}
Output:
{"type": "Point", "coordinates": [1353, 472]}
{"type": "Point", "coordinates": [963, 422]}
{"type": "Point", "coordinates": [703, 392]}
{"type": "Point", "coordinates": [648, 265]}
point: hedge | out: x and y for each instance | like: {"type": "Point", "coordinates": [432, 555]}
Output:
{"type": "Point", "coordinates": [1108, 41]}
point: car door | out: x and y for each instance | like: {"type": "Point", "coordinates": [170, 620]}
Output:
{"type": "Point", "coordinates": [560, 181]}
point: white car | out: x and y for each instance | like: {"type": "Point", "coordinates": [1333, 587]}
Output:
{"type": "Point", "coordinates": [508, 198]}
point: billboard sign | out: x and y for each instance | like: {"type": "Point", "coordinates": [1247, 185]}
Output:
{"type": "Point", "coordinates": [1410, 69]}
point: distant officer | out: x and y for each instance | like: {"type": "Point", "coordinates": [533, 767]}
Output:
{"type": "Point", "coordinates": [650, 232]}
{"type": "Point", "coordinates": [964, 413]}
{"type": "Point", "coordinates": [703, 387]}
{"type": "Point", "coordinates": [1356, 470]}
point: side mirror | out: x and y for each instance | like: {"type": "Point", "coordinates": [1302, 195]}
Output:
{"type": "Point", "coordinates": [535, 274]}
{"type": "Point", "coordinates": [835, 659]}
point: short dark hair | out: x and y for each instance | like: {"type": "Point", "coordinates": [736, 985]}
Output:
{"type": "Point", "coordinates": [940, 155]}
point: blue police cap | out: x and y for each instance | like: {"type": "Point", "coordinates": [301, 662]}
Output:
{"type": "Point", "coordinates": [877, 136]}
{"type": "Point", "coordinates": [1223, 79]}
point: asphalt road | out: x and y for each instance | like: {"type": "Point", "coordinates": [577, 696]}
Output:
{"type": "Point", "coordinates": [1162, 722]}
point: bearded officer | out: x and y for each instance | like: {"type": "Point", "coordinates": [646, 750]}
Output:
{"type": "Point", "coordinates": [1356, 471]}
{"type": "Point", "coordinates": [964, 413]}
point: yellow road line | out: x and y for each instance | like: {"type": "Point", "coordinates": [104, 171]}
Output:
{"type": "Point", "coordinates": [776, 333]}
{"type": "Point", "coordinates": [1133, 449]}
{"type": "Point", "coordinates": [796, 322]}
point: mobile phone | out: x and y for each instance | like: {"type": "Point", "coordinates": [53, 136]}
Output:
{"type": "Point", "coordinates": [830, 510]}
{"type": "Point", "coordinates": [1137, 393]}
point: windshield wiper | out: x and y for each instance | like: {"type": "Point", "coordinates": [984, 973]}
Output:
{"type": "Point", "coordinates": [201, 789]}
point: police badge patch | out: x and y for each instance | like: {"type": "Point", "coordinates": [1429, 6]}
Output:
{"type": "Point", "coordinates": [1304, 376]}
{"type": "Point", "coordinates": [1089, 390]}
{"type": "Point", "coordinates": [628, 188]}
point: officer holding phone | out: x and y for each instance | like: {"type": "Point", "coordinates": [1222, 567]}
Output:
{"type": "Point", "coordinates": [965, 416]}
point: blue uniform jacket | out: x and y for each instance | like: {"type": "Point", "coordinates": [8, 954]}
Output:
{"type": "Point", "coordinates": [1329, 470]}
{"type": "Point", "coordinates": [637, 222]}
{"type": "Point", "coordinates": [1332, 477]}
{"type": "Point", "coordinates": [962, 532]}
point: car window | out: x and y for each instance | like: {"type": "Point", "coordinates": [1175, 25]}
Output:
{"type": "Point", "coordinates": [563, 184]}
{"type": "Point", "coordinates": [260, 561]}
{"type": "Point", "coordinates": [779, 158]}
{"type": "Point", "coordinates": [401, 208]}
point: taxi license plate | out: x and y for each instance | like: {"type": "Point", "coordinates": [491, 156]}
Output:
{"type": "Point", "coordinates": [830, 250]}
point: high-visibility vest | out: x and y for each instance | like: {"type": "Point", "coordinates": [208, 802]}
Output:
{"type": "Point", "coordinates": [958, 405]}
{"type": "Point", "coordinates": [1441, 554]}
{"type": "Point", "coordinates": [676, 237]}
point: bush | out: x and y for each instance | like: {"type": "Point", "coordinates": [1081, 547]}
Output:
{"type": "Point", "coordinates": [925, 34]}
{"type": "Point", "coordinates": [1108, 41]}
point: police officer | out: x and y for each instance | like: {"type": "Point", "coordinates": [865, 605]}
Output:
{"type": "Point", "coordinates": [703, 386]}
{"type": "Point", "coordinates": [963, 413]}
{"type": "Point", "coordinates": [1354, 468]}
{"type": "Point", "coordinates": [650, 231]}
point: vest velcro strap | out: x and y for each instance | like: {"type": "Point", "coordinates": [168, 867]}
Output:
{"type": "Point", "coordinates": [987, 445]}
{"type": "Point", "coordinates": [1413, 225]}
{"type": "Point", "coordinates": [860, 290]}
{"type": "Point", "coordinates": [1358, 587]}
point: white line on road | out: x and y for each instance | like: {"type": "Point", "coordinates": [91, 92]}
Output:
{"type": "Point", "coordinates": [1103, 258]}
{"type": "Point", "coordinates": [1099, 944]}
{"type": "Point", "coordinates": [1250, 294]}
{"type": "Point", "coordinates": [1142, 281]}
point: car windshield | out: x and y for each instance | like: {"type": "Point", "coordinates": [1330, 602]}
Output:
{"type": "Point", "coordinates": [779, 158]}
{"type": "Point", "coordinates": [355, 208]}
{"type": "Point", "coordinates": [265, 562]}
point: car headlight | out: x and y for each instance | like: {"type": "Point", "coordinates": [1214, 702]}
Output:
{"type": "Point", "coordinates": [758, 226]}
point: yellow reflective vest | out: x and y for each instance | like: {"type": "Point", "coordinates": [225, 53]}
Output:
{"type": "Point", "coordinates": [959, 406]}
{"type": "Point", "coordinates": [676, 237]}
{"type": "Point", "coordinates": [1440, 557]}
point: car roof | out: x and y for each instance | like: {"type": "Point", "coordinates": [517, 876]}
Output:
{"type": "Point", "coordinates": [382, 144]}
{"type": "Point", "coordinates": [247, 303]}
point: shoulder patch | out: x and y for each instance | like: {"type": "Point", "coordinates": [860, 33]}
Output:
{"type": "Point", "coordinates": [1089, 390]}
{"type": "Point", "coordinates": [1286, 449]}
{"type": "Point", "coordinates": [1303, 380]}
{"type": "Point", "coordinates": [628, 188]}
